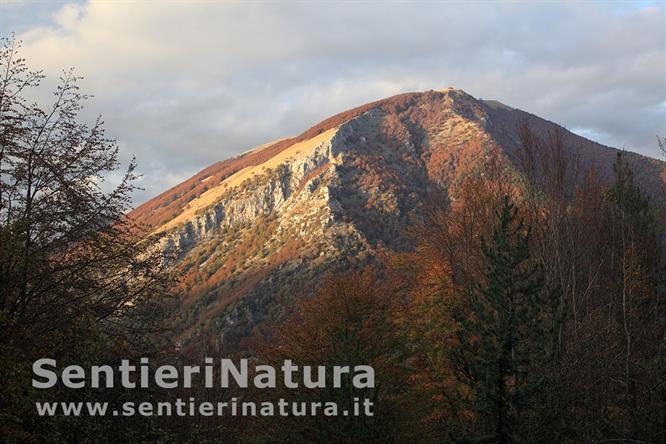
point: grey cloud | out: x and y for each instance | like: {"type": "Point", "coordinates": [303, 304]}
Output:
{"type": "Point", "coordinates": [184, 85]}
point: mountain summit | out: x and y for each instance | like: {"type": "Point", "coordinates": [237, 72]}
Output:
{"type": "Point", "coordinates": [251, 231]}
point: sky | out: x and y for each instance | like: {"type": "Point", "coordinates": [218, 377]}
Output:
{"type": "Point", "coordinates": [181, 85]}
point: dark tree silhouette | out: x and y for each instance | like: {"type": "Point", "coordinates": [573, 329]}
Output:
{"type": "Point", "coordinates": [74, 270]}
{"type": "Point", "coordinates": [502, 334]}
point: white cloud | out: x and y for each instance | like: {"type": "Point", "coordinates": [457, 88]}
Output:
{"type": "Point", "coordinates": [185, 84]}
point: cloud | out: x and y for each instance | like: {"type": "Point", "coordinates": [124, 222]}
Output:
{"type": "Point", "coordinates": [185, 84]}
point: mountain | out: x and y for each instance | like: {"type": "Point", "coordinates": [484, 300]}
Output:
{"type": "Point", "coordinates": [252, 231]}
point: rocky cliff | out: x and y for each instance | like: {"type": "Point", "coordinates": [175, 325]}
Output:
{"type": "Point", "coordinates": [252, 231]}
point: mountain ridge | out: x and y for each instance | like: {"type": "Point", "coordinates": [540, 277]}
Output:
{"type": "Point", "coordinates": [156, 210]}
{"type": "Point", "coordinates": [252, 231]}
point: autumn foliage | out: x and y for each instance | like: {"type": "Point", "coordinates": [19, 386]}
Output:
{"type": "Point", "coordinates": [528, 310]}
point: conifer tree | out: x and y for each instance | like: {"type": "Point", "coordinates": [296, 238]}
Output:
{"type": "Point", "coordinates": [637, 336]}
{"type": "Point", "coordinates": [504, 334]}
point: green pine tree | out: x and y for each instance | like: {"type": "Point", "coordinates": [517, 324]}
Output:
{"type": "Point", "coordinates": [504, 335]}
{"type": "Point", "coordinates": [637, 293]}
{"type": "Point", "coordinates": [635, 219]}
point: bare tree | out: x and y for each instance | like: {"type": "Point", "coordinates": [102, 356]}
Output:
{"type": "Point", "coordinates": [66, 247]}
